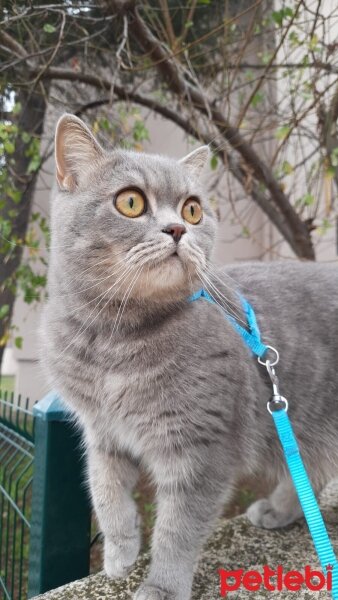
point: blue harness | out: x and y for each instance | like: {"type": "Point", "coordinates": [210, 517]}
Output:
{"type": "Point", "coordinates": [278, 408]}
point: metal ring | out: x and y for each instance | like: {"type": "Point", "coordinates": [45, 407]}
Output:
{"type": "Point", "coordinates": [274, 362]}
{"type": "Point", "coordinates": [286, 407]}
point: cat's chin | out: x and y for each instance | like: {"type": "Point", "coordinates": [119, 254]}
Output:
{"type": "Point", "coordinates": [170, 276]}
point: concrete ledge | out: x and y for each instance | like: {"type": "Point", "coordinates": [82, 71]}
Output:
{"type": "Point", "coordinates": [235, 544]}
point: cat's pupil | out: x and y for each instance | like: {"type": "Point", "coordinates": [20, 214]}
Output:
{"type": "Point", "coordinates": [192, 210]}
{"type": "Point", "coordinates": [131, 202]}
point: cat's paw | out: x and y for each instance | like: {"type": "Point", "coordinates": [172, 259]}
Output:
{"type": "Point", "coordinates": [149, 592]}
{"type": "Point", "coordinates": [119, 558]}
{"type": "Point", "coordinates": [263, 514]}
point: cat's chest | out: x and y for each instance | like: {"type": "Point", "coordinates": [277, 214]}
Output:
{"type": "Point", "coordinates": [154, 388]}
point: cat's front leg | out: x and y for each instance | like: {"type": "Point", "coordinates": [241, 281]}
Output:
{"type": "Point", "coordinates": [112, 478]}
{"type": "Point", "coordinates": [185, 515]}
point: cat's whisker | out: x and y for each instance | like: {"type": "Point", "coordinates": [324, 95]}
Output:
{"type": "Point", "coordinates": [212, 290]}
{"type": "Point", "coordinates": [82, 329]}
{"type": "Point", "coordinates": [82, 290]}
{"type": "Point", "coordinates": [226, 276]}
{"type": "Point", "coordinates": [150, 252]}
{"type": "Point", "coordinates": [230, 303]}
{"type": "Point", "coordinates": [125, 300]}
{"type": "Point", "coordinates": [77, 308]}
{"type": "Point", "coordinates": [225, 309]}
{"type": "Point", "coordinates": [80, 275]}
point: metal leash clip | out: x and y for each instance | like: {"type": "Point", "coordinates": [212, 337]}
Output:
{"type": "Point", "coordinates": [277, 401]}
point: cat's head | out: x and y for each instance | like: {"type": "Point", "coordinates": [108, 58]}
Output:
{"type": "Point", "coordinates": [136, 223]}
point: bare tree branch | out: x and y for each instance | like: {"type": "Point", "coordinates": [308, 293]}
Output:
{"type": "Point", "coordinates": [300, 242]}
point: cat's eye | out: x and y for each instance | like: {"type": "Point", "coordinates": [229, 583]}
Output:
{"type": "Point", "coordinates": [192, 211]}
{"type": "Point", "coordinates": [130, 203]}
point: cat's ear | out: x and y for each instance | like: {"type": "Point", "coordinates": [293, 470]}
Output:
{"type": "Point", "coordinates": [75, 150]}
{"type": "Point", "coordinates": [196, 160]}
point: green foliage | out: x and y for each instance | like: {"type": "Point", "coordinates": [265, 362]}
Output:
{"type": "Point", "coordinates": [334, 157]}
{"type": "Point", "coordinates": [48, 28]}
{"type": "Point", "coordinates": [28, 278]}
{"type": "Point", "coordinates": [140, 132]}
{"type": "Point", "coordinates": [324, 227]}
{"type": "Point", "coordinates": [279, 16]}
{"type": "Point", "coordinates": [306, 200]}
{"type": "Point", "coordinates": [257, 99]}
{"type": "Point", "coordinates": [4, 310]}
{"type": "Point", "coordinates": [282, 132]}
{"type": "Point", "coordinates": [30, 282]}
{"type": "Point", "coordinates": [287, 168]}
{"type": "Point", "coordinates": [18, 341]}
{"type": "Point", "coordinates": [214, 162]}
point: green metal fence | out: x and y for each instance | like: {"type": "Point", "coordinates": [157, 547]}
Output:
{"type": "Point", "coordinates": [44, 508]}
{"type": "Point", "coordinates": [16, 475]}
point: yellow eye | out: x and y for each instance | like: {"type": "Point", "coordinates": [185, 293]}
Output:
{"type": "Point", "coordinates": [192, 211]}
{"type": "Point", "coordinates": [130, 203]}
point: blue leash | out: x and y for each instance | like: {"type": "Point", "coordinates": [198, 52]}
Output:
{"type": "Point", "coordinates": [278, 408]}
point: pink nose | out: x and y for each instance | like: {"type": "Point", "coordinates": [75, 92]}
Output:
{"type": "Point", "coordinates": [176, 230]}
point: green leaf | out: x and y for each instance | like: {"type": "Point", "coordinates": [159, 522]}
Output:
{"type": "Point", "coordinates": [287, 168]}
{"type": "Point", "coordinates": [18, 342]}
{"type": "Point", "coordinates": [48, 28]}
{"type": "Point", "coordinates": [266, 57]}
{"type": "Point", "coordinates": [257, 98]}
{"type": "Point", "coordinates": [324, 227]}
{"type": "Point", "coordinates": [26, 137]}
{"type": "Point", "coordinates": [16, 195]}
{"type": "Point", "coordinates": [278, 16]}
{"type": "Point", "coordinates": [334, 157]}
{"type": "Point", "coordinates": [9, 147]}
{"type": "Point", "coordinates": [313, 42]}
{"type": "Point", "coordinates": [294, 39]}
{"type": "Point", "coordinates": [4, 310]}
{"type": "Point", "coordinates": [282, 132]}
{"type": "Point", "coordinates": [213, 162]}
{"type": "Point", "coordinates": [140, 132]}
{"type": "Point", "coordinates": [34, 164]}
{"type": "Point", "coordinates": [306, 200]}
{"type": "Point", "coordinates": [17, 108]}
{"type": "Point", "coordinates": [330, 172]}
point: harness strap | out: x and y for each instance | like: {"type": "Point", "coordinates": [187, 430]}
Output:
{"type": "Point", "coordinates": [307, 499]}
{"type": "Point", "coordinates": [252, 336]}
{"type": "Point", "coordinates": [306, 496]}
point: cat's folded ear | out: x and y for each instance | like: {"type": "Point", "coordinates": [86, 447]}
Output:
{"type": "Point", "coordinates": [75, 150]}
{"type": "Point", "coordinates": [196, 160]}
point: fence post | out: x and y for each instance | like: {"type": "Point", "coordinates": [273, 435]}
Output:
{"type": "Point", "coordinates": [60, 522]}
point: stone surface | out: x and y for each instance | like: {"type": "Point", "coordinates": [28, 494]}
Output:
{"type": "Point", "coordinates": [234, 544]}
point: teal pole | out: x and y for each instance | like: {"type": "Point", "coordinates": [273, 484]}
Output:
{"type": "Point", "coordinates": [59, 549]}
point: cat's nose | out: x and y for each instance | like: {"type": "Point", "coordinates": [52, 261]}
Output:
{"type": "Point", "coordinates": [176, 230]}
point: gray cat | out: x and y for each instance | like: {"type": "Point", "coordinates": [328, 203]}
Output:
{"type": "Point", "coordinates": [158, 382]}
